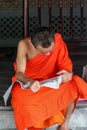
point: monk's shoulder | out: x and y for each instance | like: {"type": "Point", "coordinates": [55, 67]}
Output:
{"type": "Point", "coordinates": [21, 43]}
{"type": "Point", "coordinates": [59, 42]}
{"type": "Point", "coordinates": [58, 37]}
{"type": "Point", "coordinates": [24, 44]}
{"type": "Point", "coordinates": [22, 48]}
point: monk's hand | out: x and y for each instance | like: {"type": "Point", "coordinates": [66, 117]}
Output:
{"type": "Point", "coordinates": [66, 76]}
{"type": "Point", "coordinates": [35, 86]}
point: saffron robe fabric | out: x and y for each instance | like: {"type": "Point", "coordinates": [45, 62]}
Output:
{"type": "Point", "coordinates": [47, 106]}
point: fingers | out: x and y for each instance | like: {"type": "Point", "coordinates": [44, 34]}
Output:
{"type": "Point", "coordinates": [66, 76]}
{"type": "Point", "coordinates": [35, 86]}
{"type": "Point", "coordinates": [63, 75]}
{"type": "Point", "coordinates": [64, 79]}
{"type": "Point", "coordinates": [61, 72]}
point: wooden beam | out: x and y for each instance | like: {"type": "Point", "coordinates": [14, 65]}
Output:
{"type": "Point", "coordinates": [26, 17]}
{"type": "Point", "coordinates": [82, 18]}
{"type": "Point", "coordinates": [71, 19]}
{"type": "Point", "coordinates": [50, 13]}
{"type": "Point", "coordinates": [39, 13]}
{"type": "Point", "coordinates": [61, 16]}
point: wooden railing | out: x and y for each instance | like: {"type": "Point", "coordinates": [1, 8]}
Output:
{"type": "Point", "coordinates": [72, 42]}
{"type": "Point", "coordinates": [69, 20]}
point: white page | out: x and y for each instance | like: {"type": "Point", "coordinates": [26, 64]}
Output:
{"type": "Point", "coordinates": [8, 91]}
{"type": "Point", "coordinates": [52, 83]}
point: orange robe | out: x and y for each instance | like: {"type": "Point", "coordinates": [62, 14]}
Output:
{"type": "Point", "coordinates": [47, 106]}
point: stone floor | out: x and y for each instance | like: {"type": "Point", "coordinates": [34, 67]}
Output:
{"type": "Point", "coordinates": [78, 119]}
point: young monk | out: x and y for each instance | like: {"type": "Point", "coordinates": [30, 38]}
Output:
{"type": "Point", "coordinates": [41, 57]}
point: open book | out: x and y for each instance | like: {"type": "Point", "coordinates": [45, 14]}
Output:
{"type": "Point", "coordinates": [52, 83]}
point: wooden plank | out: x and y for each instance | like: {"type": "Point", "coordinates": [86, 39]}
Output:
{"type": "Point", "coordinates": [50, 13]}
{"type": "Point", "coordinates": [39, 13]}
{"type": "Point", "coordinates": [26, 17]}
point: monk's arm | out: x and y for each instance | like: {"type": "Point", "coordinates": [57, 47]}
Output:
{"type": "Point", "coordinates": [21, 63]}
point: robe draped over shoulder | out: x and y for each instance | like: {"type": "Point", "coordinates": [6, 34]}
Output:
{"type": "Point", "coordinates": [47, 106]}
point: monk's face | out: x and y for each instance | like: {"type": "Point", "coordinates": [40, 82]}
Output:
{"type": "Point", "coordinates": [45, 51]}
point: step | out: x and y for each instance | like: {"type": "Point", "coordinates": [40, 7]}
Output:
{"type": "Point", "coordinates": [4, 86]}
{"type": "Point", "coordinates": [78, 119]}
{"type": "Point", "coordinates": [6, 65]}
{"type": "Point", "coordinates": [6, 73]}
{"type": "Point", "coordinates": [54, 127]}
{"type": "Point", "coordinates": [8, 129]}
{"type": "Point", "coordinates": [5, 80]}
{"type": "Point", "coordinates": [6, 117]}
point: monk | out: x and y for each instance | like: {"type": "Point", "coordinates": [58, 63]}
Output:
{"type": "Point", "coordinates": [41, 57]}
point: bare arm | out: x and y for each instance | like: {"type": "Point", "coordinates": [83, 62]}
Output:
{"type": "Point", "coordinates": [21, 64]}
